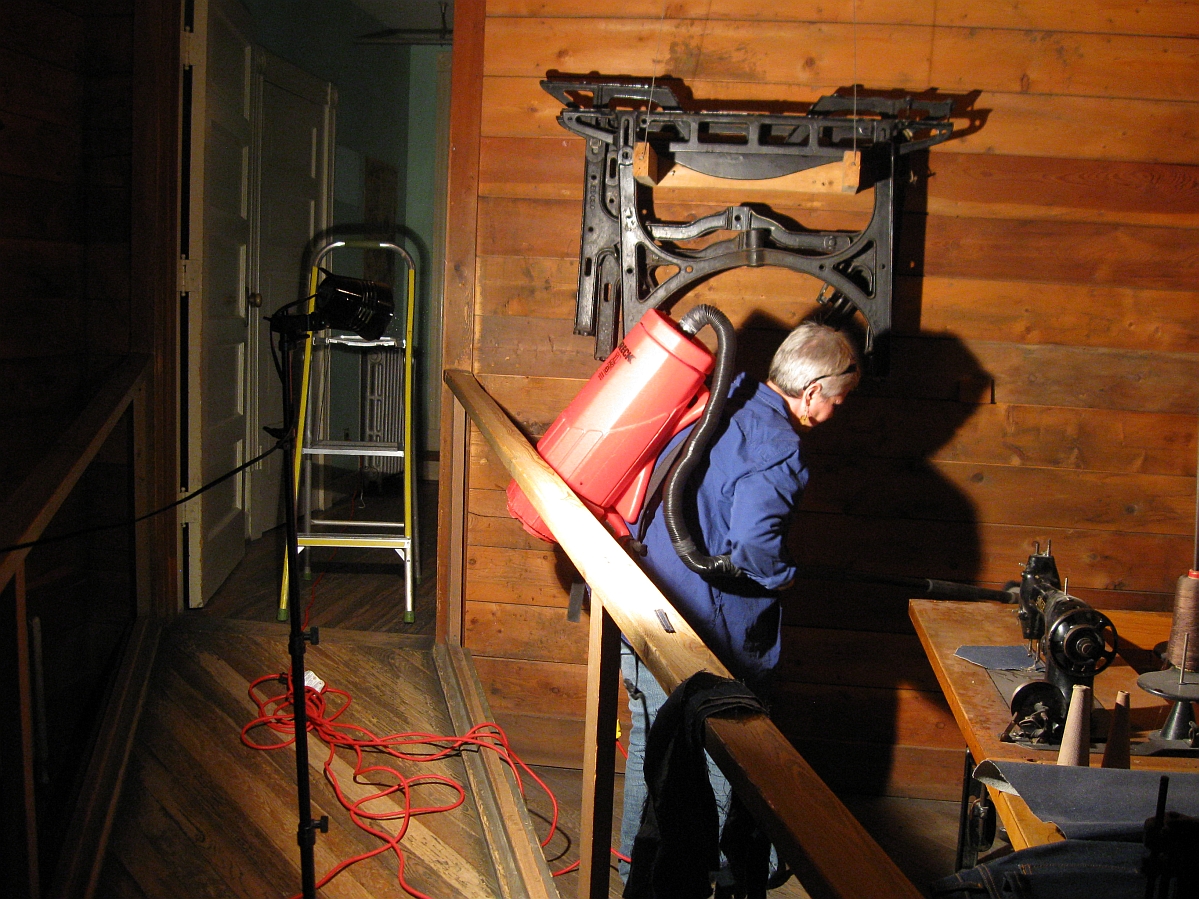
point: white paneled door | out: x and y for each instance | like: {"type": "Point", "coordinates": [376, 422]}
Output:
{"type": "Point", "coordinates": [257, 159]}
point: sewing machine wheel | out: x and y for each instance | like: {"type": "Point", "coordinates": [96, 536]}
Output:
{"type": "Point", "coordinates": [1038, 713]}
{"type": "Point", "coordinates": [1082, 641]}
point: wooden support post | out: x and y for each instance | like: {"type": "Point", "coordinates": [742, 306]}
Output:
{"type": "Point", "coordinates": [25, 705]}
{"type": "Point", "coordinates": [140, 452]}
{"type": "Point", "coordinates": [599, 752]}
{"type": "Point", "coordinates": [815, 833]}
{"type": "Point", "coordinates": [453, 511]}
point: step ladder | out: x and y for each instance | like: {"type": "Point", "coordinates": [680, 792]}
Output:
{"type": "Point", "coordinates": [399, 536]}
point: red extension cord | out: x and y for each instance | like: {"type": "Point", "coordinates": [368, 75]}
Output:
{"type": "Point", "coordinates": [274, 713]}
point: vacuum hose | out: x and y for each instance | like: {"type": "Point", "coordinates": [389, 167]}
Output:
{"type": "Point", "coordinates": [697, 443]}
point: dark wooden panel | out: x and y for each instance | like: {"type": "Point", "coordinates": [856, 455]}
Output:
{"type": "Point", "coordinates": [1000, 494]}
{"type": "Point", "coordinates": [532, 346]}
{"type": "Point", "coordinates": [872, 769]}
{"type": "Point", "coordinates": [41, 269]}
{"type": "Point", "coordinates": [1009, 124]}
{"type": "Point", "coordinates": [865, 715]}
{"type": "Point", "coordinates": [851, 768]}
{"type": "Point", "coordinates": [889, 11]}
{"type": "Point", "coordinates": [1010, 434]}
{"type": "Point", "coordinates": [493, 504]}
{"type": "Point", "coordinates": [1080, 189]}
{"type": "Point", "coordinates": [850, 658]}
{"type": "Point", "coordinates": [486, 530]}
{"type": "Point", "coordinates": [949, 370]}
{"type": "Point", "coordinates": [1042, 375]}
{"type": "Point", "coordinates": [539, 688]}
{"type": "Point", "coordinates": [19, 320]}
{"type": "Point", "coordinates": [35, 149]}
{"type": "Point", "coordinates": [990, 554]}
{"type": "Point", "coordinates": [1094, 440]}
{"type": "Point", "coordinates": [712, 49]}
{"type": "Point", "coordinates": [528, 227]}
{"type": "Point", "coordinates": [35, 209]}
{"type": "Point", "coordinates": [547, 566]}
{"type": "Point", "coordinates": [110, 49]}
{"type": "Point", "coordinates": [985, 186]}
{"type": "Point", "coordinates": [52, 383]}
{"type": "Point", "coordinates": [546, 739]}
{"type": "Point", "coordinates": [1129, 255]}
{"type": "Point", "coordinates": [999, 309]}
{"type": "Point", "coordinates": [1110, 568]}
{"type": "Point", "coordinates": [894, 55]}
{"type": "Point", "coordinates": [1082, 64]}
{"type": "Point", "coordinates": [527, 400]}
{"type": "Point", "coordinates": [1116, 16]}
{"type": "Point", "coordinates": [43, 30]}
{"type": "Point", "coordinates": [42, 91]}
{"type": "Point", "coordinates": [524, 632]}
{"type": "Point", "coordinates": [907, 717]}
{"type": "Point", "coordinates": [528, 286]}
{"type": "Point", "coordinates": [1135, 318]}
{"type": "Point", "coordinates": [992, 249]}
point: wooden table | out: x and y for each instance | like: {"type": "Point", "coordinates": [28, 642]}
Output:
{"type": "Point", "coordinates": [982, 715]}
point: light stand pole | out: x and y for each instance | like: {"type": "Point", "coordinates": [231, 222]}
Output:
{"type": "Point", "coordinates": [306, 833]}
{"type": "Point", "coordinates": [365, 308]}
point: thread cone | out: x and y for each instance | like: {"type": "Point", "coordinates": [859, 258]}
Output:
{"type": "Point", "coordinates": [1076, 738]}
{"type": "Point", "coordinates": [1115, 753]}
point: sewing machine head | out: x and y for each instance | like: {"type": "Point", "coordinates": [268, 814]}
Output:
{"type": "Point", "coordinates": [1075, 643]}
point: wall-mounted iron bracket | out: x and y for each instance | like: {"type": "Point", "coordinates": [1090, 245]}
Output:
{"type": "Point", "coordinates": [629, 263]}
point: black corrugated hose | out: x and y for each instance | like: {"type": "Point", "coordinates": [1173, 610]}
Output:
{"type": "Point", "coordinates": [697, 443]}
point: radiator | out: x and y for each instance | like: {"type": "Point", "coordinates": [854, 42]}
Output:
{"type": "Point", "coordinates": [383, 407]}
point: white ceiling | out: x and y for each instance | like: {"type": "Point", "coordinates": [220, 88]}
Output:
{"type": "Point", "coordinates": [407, 13]}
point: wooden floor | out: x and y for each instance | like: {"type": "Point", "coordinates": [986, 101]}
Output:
{"type": "Point", "coordinates": [203, 816]}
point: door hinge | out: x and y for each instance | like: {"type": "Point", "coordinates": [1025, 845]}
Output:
{"type": "Point", "coordinates": [185, 284]}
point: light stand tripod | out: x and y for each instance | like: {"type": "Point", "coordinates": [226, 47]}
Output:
{"type": "Point", "coordinates": [365, 308]}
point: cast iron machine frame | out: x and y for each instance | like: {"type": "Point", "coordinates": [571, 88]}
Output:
{"type": "Point", "coordinates": [623, 251]}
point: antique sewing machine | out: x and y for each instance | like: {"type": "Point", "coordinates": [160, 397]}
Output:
{"type": "Point", "coordinates": [1067, 639]}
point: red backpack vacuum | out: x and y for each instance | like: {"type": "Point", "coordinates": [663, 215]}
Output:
{"type": "Point", "coordinates": [605, 443]}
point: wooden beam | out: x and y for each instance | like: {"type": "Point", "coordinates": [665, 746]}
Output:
{"type": "Point", "coordinates": [42, 493]}
{"type": "Point", "coordinates": [815, 833]}
{"type": "Point", "coordinates": [154, 269]}
{"type": "Point", "coordinates": [86, 842]}
{"type": "Point", "coordinates": [834, 177]}
{"type": "Point", "coordinates": [458, 303]}
{"type": "Point", "coordinates": [25, 741]}
{"type": "Point", "coordinates": [599, 755]}
{"type": "Point", "coordinates": [520, 863]}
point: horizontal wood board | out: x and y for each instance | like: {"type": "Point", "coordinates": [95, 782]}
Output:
{"type": "Point", "coordinates": [1045, 357]}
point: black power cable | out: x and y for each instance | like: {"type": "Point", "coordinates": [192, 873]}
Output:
{"type": "Point", "coordinates": [132, 521]}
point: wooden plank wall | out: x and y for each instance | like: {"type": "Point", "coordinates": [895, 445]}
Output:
{"type": "Point", "coordinates": [66, 318]}
{"type": "Point", "coordinates": [1045, 371]}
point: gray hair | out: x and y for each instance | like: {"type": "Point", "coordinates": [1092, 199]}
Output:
{"type": "Point", "coordinates": [815, 352]}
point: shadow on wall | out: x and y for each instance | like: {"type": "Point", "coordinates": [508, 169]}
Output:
{"type": "Point", "coordinates": [875, 505]}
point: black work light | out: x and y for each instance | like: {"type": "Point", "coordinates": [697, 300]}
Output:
{"type": "Point", "coordinates": [348, 304]}
{"type": "Point", "coordinates": [352, 304]}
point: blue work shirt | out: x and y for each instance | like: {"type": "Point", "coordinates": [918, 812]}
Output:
{"type": "Point", "coordinates": [739, 502]}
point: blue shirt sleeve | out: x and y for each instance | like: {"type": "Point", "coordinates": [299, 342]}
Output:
{"type": "Point", "coordinates": [763, 500]}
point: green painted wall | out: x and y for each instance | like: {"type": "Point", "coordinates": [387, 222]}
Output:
{"type": "Point", "coordinates": [387, 99]}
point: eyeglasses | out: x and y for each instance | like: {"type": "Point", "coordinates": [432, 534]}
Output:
{"type": "Point", "coordinates": [853, 367]}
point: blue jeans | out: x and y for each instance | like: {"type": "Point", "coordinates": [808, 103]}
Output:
{"type": "Point", "coordinates": [645, 698]}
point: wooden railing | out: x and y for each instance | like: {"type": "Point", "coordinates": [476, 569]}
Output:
{"type": "Point", "coordinates": [830, 852]}
{"type": "Point", "coordinates": [27, 513]}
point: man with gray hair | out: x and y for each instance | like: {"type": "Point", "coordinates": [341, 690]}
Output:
{"type": "Point", "coordinates": [739, 504]}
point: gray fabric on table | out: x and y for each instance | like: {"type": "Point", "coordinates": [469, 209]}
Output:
{"type": "Point", "coordinates": [1092, 803]}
